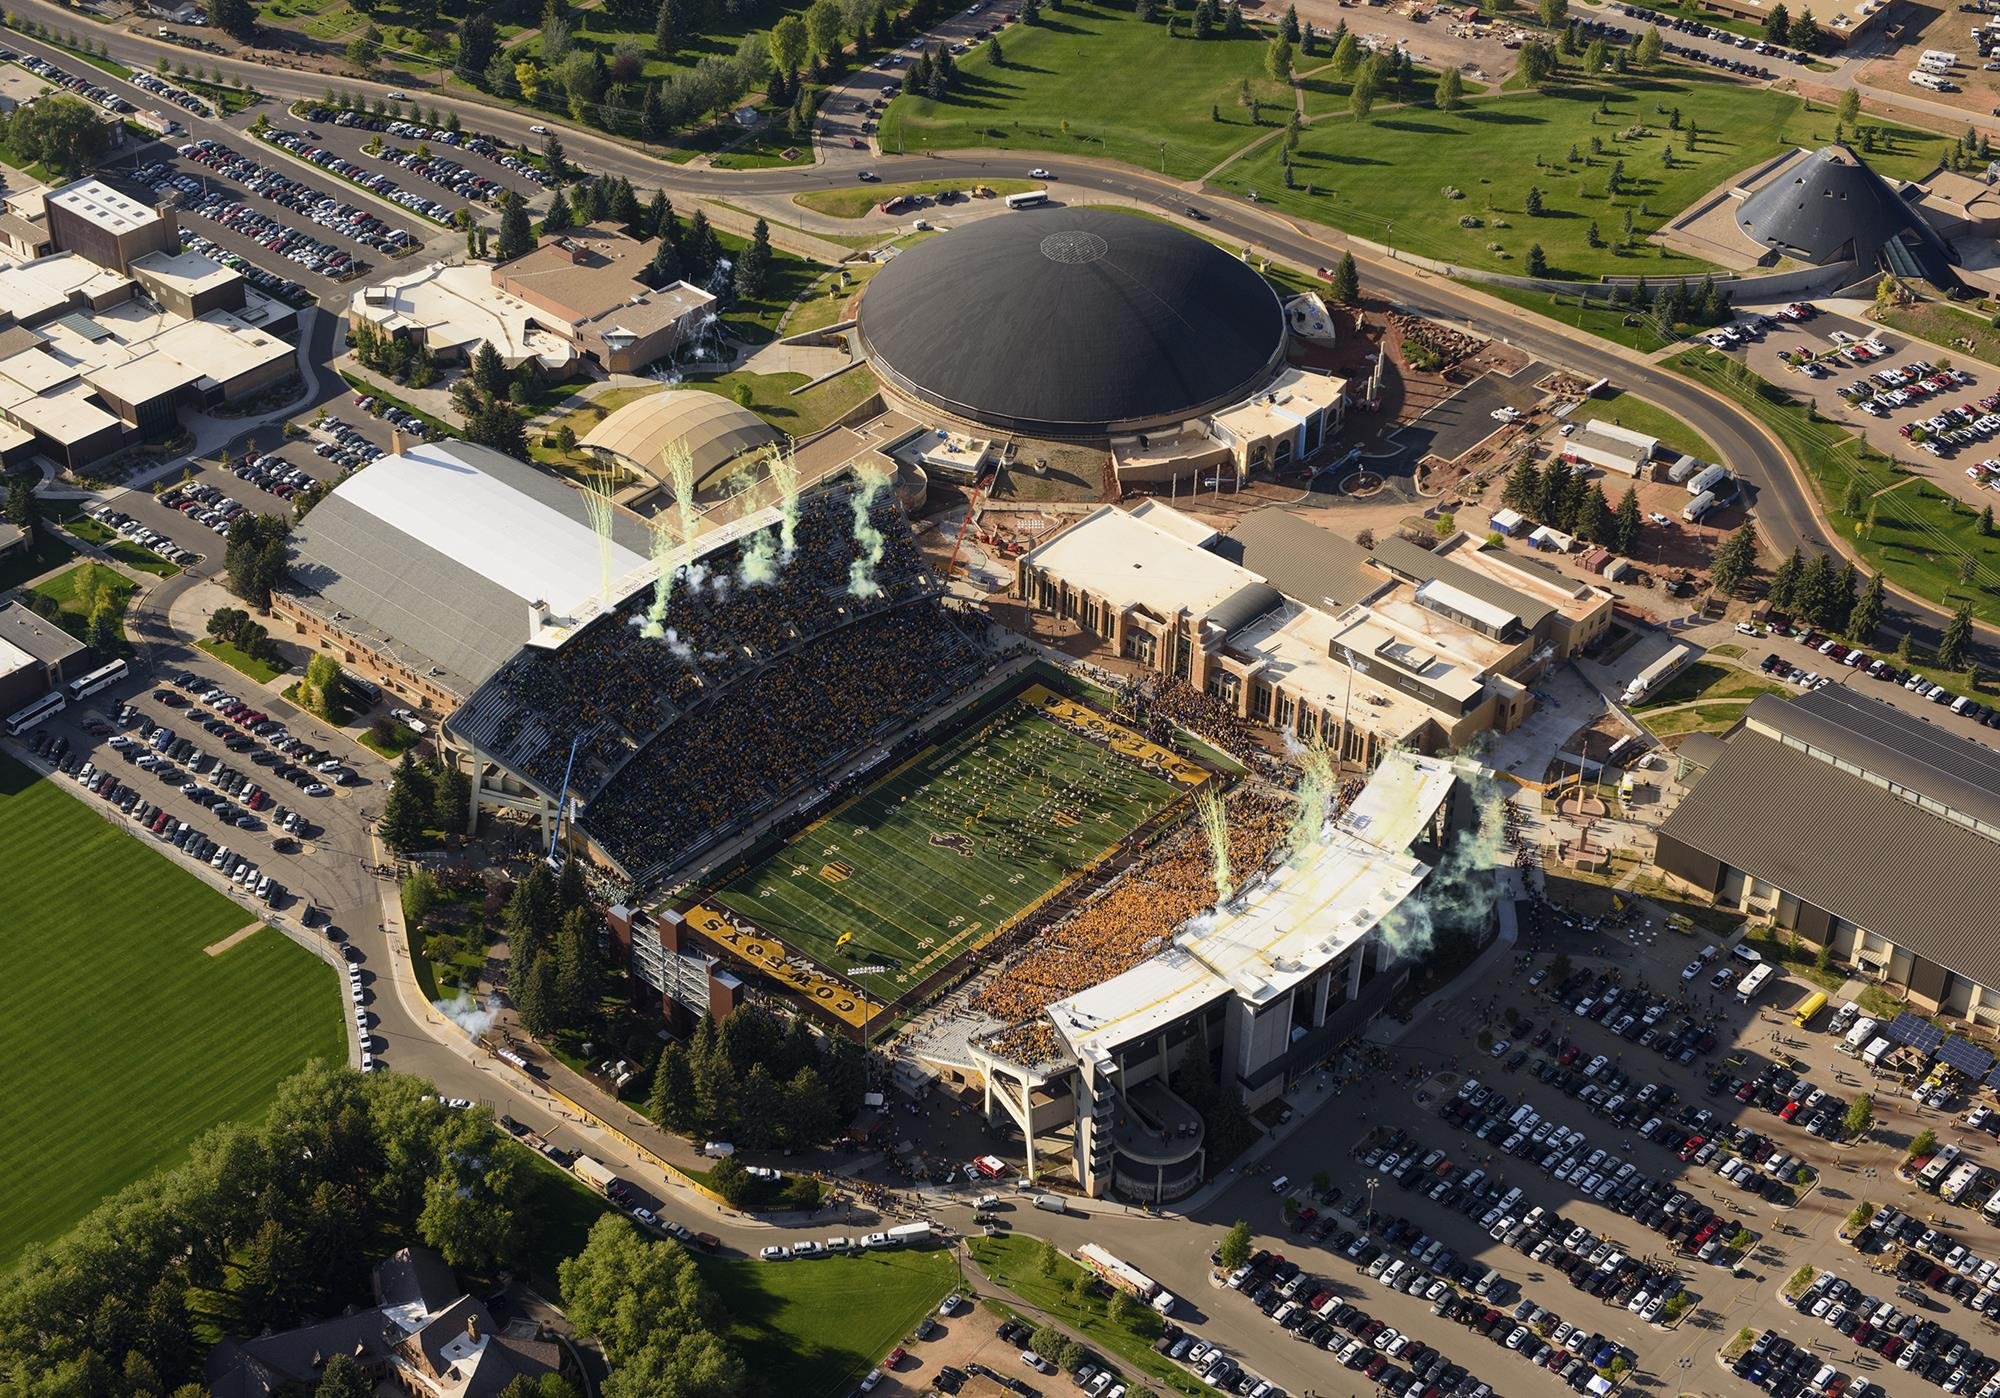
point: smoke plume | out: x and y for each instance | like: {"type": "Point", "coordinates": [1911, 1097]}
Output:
{"type": "Point", "coordinates": [1215, 823]}
{"type": "Point", "coordinates": [1461, 890]}
{"type": "Point", "coordinates": [468, 1014]}
{"type": "Point", "coordinates": [868, 541]}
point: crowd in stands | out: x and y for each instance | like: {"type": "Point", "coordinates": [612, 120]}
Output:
{"type": "Point", "coordinates": [1157, 704]}
{"type": "Point", "coordinates": [620, 688]}
{"type": "Point", "coordinates": [1175, 882]}
{"type": "Point", "coordinates": [796, 719]}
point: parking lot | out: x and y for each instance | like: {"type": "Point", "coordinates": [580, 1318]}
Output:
{"type": "Point", "coordinates": [346, 135]}
{"type": "Point", "coordinates": [1943, 423]}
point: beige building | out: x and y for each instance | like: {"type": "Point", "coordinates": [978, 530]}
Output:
{"type": "Point", "coordinates": [112, 229]}
{"type": "Point", "coordinates": [587, 284]}
{"type": "Point", "coordinates": [1295, 627]}
{"type": "Point", "coordinates": [1292, 419]}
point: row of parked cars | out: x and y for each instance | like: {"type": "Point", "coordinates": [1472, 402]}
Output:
{"type": "Point", "coordinates": [334, 163]}
{"type": "Point", "coordinates": [395, 416]}
{"type": "Point", "coordinates": [441, 170]}
{"type": "Point", "coordinates": [269, 282]}
{"type": "Point", "coordinates": [485, 146]}
{"type": "Point", "coordinates": [1788, 1096]}
{"type": "Point", "coordinates": [179, 96]}
{"type": "Point", "coordinates": [206, 505]}
{"type": "Point", "coordinates": [273, 475]}
{"type": "Point", "coordinates": [1681, 25]}
{"type": "Point", "coordinates": [303, 764]}
{"type": "Point", "coordinates": [1636, 1016]}
{"type": "Point", "coordinates": [150, 539]}
{"type": "Point", "coordinates": [322, 208]}
{"type": "Point", "coordinates": [1901, 385]}
{"type": "Point", "coordinates": [226, 784]}
{"type": "Point", "coordinates": [70, 82]}
{"type": "Point", "coordinates": [1786, 1370]}
{"type": "Point", "coordinates": [345, 445]}
{"type": "Point", "coordinates": [294, 244]}
{"type": "Point", "coordinates": [1918, 1346]}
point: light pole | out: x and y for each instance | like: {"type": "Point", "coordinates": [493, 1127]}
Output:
{"type": "Point", "coordinates": [1373, 1182]}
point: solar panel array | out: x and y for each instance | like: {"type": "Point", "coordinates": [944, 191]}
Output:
{"type": "Point", "coordinates": [1916, 1031]}
{"type": "Point", "coordinates": [1969, 1059]}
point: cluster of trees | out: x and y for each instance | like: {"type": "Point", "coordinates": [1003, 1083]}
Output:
{"type": "Point", "coordinates": [24, 511]}
{"type": "Point", "coordinates": [99, 593]}
{"type": "Point", "coordinates": [322, 690]}
{"type": "Point", "coordinates": [1560, 498]}
{"type": "Point", "coordinates": [646, 1303]}
{"type": "Point", "coordinates": [401, 359]}
{"type": "Point", "coordinates": [245, 632]}
{"type": "Point", "coordinates": [758, 1083]}
{"type": "Point", "coordinates": [253, 558]}
{"type": "Point", "coordinates": [1820, 594]}
{"type": "Point", "coordinates": [422, 797]}
{"type": "Point", "coordinates": [285, 1215]}
{"type": "Point", "coordinates": [1801, 33]}
{"type": "Point", "coordinates": [934, 74]}
{"type": "Point", "coordinates": [557, 973]}
{"type": "Point", "coordinates": [60, 132]}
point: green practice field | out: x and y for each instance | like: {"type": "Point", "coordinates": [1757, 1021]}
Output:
{"type": "Point", "coordinates": [123, 1040]}
{"type": "Point", "coordinates": [921, 867]}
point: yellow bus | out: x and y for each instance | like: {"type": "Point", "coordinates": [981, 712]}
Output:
{"type": "Point", "coordinates": [1814, 1003]}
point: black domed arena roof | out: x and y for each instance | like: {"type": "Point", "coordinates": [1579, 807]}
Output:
{"type": "Point", "coordinates": [1072, 323]}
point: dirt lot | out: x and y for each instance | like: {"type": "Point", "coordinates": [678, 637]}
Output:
{"type": "Point", "coordinates": [1938, 26]}
{"type": "Point", "coordinates": [965, 1339]}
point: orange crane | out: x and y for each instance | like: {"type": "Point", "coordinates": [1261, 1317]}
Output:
{"type": "Point", "coordinates": [971, 510]}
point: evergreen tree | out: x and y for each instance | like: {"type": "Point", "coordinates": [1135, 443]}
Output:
{"type": "Point", "coordinates": [753, 266]}
{"type": "Point", "coordinates": [1592, 519]}
{"type": "Point", "coordinates": [1523, 493]}
{"type": "Point", "coordinates": [1866, 618]}
{"type": "Point", "coordinates": [1844, 596]}
{"type": "Point", "coordinates": [1628, 524]}
{"type": "Point", "coordinates": [1955, 638]}
{"type": "Point", "coordinates": [1538, 262]}
{"type": "Point", "coordinates": [1734, 560]}
{"type": "Point", "coordinates": [1347, 281]}
{"type": "Point", "coordinates": [536, 998]}
{"type": "Point", "coordinates": [1289, 25]}
{"type": "Point", "coordinates": [531, 915]}
{"type": "Point", "coordinates": [1813, 598]}
{"type": "Point", "coordinates": [488, 372]}
{"type": "Point", "coordinates": [516, 236]}
{"type": "Point", "coordinates": [558, 218]}
{"type": "Point", "coordinates": [672, 1103]}
{"type": "Point", "coordinates": [666, 265]}
{"type": "Point", "coordinates": [1532, 205]}
{"type": "Point", "coordinates": [403, 817]}
{"type": "Point", "coordinates": [579, 984]}
{"type": "Point", "coordinates": [1783, 592]}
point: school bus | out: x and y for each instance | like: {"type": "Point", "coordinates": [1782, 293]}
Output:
{"type": "Point", "coordinates": [1814, 1003]}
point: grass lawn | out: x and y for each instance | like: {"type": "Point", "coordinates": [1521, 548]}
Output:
{"type": "Point", "coordinates": [811, 1329]}
{"type": "Point", "coordinates": [1706, 680]}
{"type": "Point", "coordinates": [1702, 718]}
{"type": "Point", "coordinates": [922, 867]}
{"type": "Point", "coordinates": [62, 590]}
{"type": "Point", "coordinates": [263, 672]}
{"type": "Point", "coordinates": [1328, 94]}
{"type": "Point", "coordinates": [402, 738]}
{"type": "Point", "coordinates": [773, 397]}
{"type": "Point", "coordinates": [1012, 1261]}
{"type": "Point", "coordinates": [45, 551]}
{"type": "Point", "coordinates": [1947, 326]}
{"type": "Point", "coordinates": [1594, 318]}
{"type": "Point", "coordinates": [124, 1039]}
{"type": "Point", "coordinates": [1622, 409]}
{"type": "Point", "coordinates": [863, 199]}
{"type": "Point", "coordinates": [1920, 534]}
{"type": "Point", "coordinates": [1385, 178]}
{"type": "Point", "coordinates": [124, 550]}
{"type": "Point", "coordinates": [1057, 92]}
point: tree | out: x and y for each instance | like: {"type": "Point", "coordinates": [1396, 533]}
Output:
{"type": "Point", "coordinates": [1523, 491]}
{"type": "Point", "coordinates": [322, 689]}
{"type": "Point", "coordinates": [236, 18]}
{"type": "Point", "coordinates": [559, 216]}
{"type": "Point", "coordinates": [1778, 24]}
{"type": "Point", "coordinates": [1986, 522]}
{"type": "Point", "coordinates": [1532, 205]}
{"type": "Point", "coordinates": [1450, 91]}
{"type": "Point", "coordinates": [60, 132]}
{"type": "Point", "coordinates": [1848, 109]}
{"type": "Point", "coordinates": [1347, 281]}
{"type": "Point", "coordinates": [1866, 617]}
{"type": "Point", "coordinates": [823, 23]}
{"type": "Point", "coordinates": [253, 558]}
{"type": "Point", "coordinates": [1735, 559]}
{"type": "Point", "coordinates": [1538, 262]}
{"type": "Point", "coordinates": [342, 1378]}
{"type": "Point", "coordinates": [516, 236]}
{"type": "Point", "coordinates": [1628, 523]}
{"type": "Point", "coordinates": [1552, 13]}
{"type": "Point", "coordinates": [364, 49]}
{"type": "Point", "coordinates": [498, 426]}
{"type": "Point", "coordinates": [753, 265]}
{"type": "Point", "coordinates": [22, 510]}
{"type": "Point", "coordinates": [1923, 1143]}
{"type": "Point", "coordinates": [1592, 517]}
{"type": "Point", "coordinates": [1596, 56]}
{"type": "Point", "coordinates": [1235, 1249]}
{"type": "Point", "coordinates": [1346, 55]}
{"type": "Point", "coordinates": [1537, 63]}
{"type": "Point", "coordinates": [1783, 591]}
{"type": "Point", "coordinates": [1860, 1116]}
{"type": "Point", "coordinates": [1813, 597]}
{"type": "Point", "coordinates": [1646, 53]}
{"type": "Point", "coordinates": [1361, 97]}
{"type": "Point", "coordinates": [1278, 59]}
{"type": "Point", "coordinates": [403, 819]}
{"type": "Point", "coordinates": [788, 45]}
{"type": "Point", "coordinates": [1952, 643]}
{"type": "Point", "coordinates": [1805, 32]}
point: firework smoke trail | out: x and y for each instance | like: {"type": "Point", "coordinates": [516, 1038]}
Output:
{"type": "Point", "coordinates": [1318, 786]}
{"type": "Point", "coordinates": [1461, 890]}
{"type": "Point", "coordinates": [651, 625]}
{"type": "Point", "coordinates": [680, 475]}
{"type": "Point", "coordinates": [868, 541]}
{"type": "Point", "coordinates": [598, 509]}
{"type": "Point", "coordinates": [785, 471]}
{"type": "Point", "coordinates": [1215, 823]}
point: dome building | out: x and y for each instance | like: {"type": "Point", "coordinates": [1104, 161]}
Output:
{"type": "Point", "coordinates": [1072, 324]}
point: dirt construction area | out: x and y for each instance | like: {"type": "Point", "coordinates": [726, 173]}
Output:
{"type": "Point", "coordinates": [1946, 28]}
{"type": "Point", "coordinates": [969, 1343]}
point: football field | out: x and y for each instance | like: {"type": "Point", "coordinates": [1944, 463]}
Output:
{"type": "Point", "coordinates": [927, 863]}
{"type": "Point", "coordinates": [123, 1039]}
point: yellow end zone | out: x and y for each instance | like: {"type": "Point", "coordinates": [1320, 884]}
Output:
{"type": "Point", "coordinates": [1122, 741]}
{"type": "Point", "coordinates": [730, 934]}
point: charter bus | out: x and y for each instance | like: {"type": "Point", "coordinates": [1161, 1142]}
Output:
{"type": "Point", "coordinates": [1814, 1003]}
{"type": "Point", "coordinates": [1028, 199]}
{"type": "Point", "coordinates": [47, 706]}
{"type": "Point", "coordinates": [1747, 988]}
{"type": "Point", "coordinates": [103, 677]}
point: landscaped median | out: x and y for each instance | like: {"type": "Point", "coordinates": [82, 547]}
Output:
{"type": "Point", "coordinates": [1914, 533]}
{"type": "Point", "coordinates": [236, 659]}
{"type": "Point", "coordinates": [864, 199]}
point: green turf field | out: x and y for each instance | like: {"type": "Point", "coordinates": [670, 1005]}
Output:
{"type": "Point", "coordinates": [122, 1039]}
{"type": "Point", "coordinates": [924, 865]}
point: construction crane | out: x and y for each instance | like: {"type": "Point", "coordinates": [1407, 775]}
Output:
{"type": "Point", "coordinates": [971, 511]}
{"type": "Point", "coordinates": [562, 802]}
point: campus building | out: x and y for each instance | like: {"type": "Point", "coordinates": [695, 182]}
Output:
{"type": "Point", "coordinates": [1859, 827]}
{"type": "Point", "coordinates": [1294, 627]}
{"type": "Point", "coordinates": [111, 229]}
{"type": "Point", "coordinates": [35, 655]}
{"type": "Point", "coordinates": [717, 434]}
{"type": "Point", "coordinates": [587, 286]}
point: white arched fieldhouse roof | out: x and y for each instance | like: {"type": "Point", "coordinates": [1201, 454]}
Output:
{"type": "Point", "coordinates": [714, 430]}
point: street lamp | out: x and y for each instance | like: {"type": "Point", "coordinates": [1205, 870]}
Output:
{"type": "Point", "coordinates": [1373, 1182]}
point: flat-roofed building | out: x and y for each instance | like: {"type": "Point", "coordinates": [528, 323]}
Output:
{"type": "Point", "coordinates": [32, 293]}
{"type": "Point", "coordinates": [1609, 447]}
{"type": "Point", "coordinates": [110, 228]}
{"type": "Point", "coordinates": [1859, 828]}
{"type": "Point", "coordinates": [588, 285]}
{"type": "Point", "coordinates": [188, 284]}
{"type": "Point", "coordinates": [1294, 627]}
{"type": "Point", "coordinates": [450, 309]}
{"type": "Point", "coordinates": [35, 656]}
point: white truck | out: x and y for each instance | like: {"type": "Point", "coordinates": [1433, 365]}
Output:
{"type": "Point", "coordinates": [593, 1173]}
{"type": "Point", "coordinates": [910, 1235]}
{"type": "Point", "coordinates": [1125, 1277]}
{"type": "Point", "coordinates": [1657, 674]}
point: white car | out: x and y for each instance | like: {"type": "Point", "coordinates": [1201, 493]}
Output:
{"type": "Point", "coordinates": [950, 1304]}
{"type": "Point", "coordinates": [777, 1252]}
{"type": "Point", "coordinates": [539, 130]}
{"type": "Point", "coordinates": [1038, 173]}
